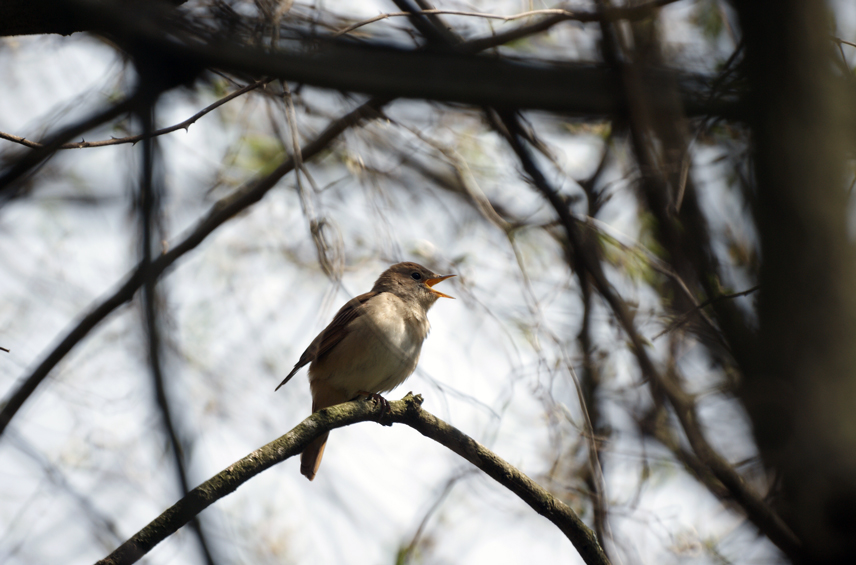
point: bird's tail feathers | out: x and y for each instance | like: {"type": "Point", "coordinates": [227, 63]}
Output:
{"type": "Point", "coordinates": [310, 459]}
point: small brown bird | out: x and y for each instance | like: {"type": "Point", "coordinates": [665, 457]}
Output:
{"type": "Point", "coordinates": [371, 346]}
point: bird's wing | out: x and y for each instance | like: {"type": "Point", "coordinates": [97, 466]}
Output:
{"type": "Point", "coordinates": [332, 334]}
{"type": "Point", "coordinates": [338, 328]}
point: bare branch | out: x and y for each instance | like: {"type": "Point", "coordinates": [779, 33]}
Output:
{"type": "Point", "coordinates": [839, 41]}
{"type": "Point", "coordinates": [558, 15]}
{"type": "Point", "coordinates": [686, 316]}
{"type": "Point", "coordinates": [34, 158]}
{"type": "Point", "coordinates": [407, 411]}
{"type": "Point", "coordinates": [385, 71]}
{"type": "Point", "coordinates": [136, 138]}
{"type": "Point", "coordinates": [149, 210]}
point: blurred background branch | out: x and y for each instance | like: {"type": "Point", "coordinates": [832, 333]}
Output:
{"type": "Point", "coordinates": [648, 204]}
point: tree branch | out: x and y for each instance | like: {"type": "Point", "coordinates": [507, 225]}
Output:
{"type": "Point", "coordinates": [407, 411]}
{"type": "Point", "coordinates": [557, 15]}
{"type": "Point", "coordinates": [49, 147]}
{"type": "Point", "coordinates": [135, 138]}
{"type": "Point", "coordinates": [384, 70]}
{"type": "Point", "coordinates": [685, 317]}
{"type": "Point", "coordinates": [149, 201]}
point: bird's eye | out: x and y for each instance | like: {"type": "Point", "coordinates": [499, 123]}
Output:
{"type": "Point", "coordinates": [416, 276]}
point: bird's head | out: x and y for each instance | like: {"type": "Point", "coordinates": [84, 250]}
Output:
{"type": "Point", "coordinates": [411, 281]}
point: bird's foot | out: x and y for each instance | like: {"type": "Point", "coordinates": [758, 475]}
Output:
{"type": "Point", "coordinates": [377, 399]}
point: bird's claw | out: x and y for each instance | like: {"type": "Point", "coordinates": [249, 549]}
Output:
{"type": "Point", "coordinates": [378, 399]}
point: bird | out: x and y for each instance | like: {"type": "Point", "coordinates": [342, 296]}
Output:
{"type": "Point", "coordinates": [371, 346]}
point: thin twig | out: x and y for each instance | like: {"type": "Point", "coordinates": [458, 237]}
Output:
{"type": "Point", "coordinates": [136, 138]}
{"type": "Point", "coordinates": [406, 553]}
{"type": "Point", "coordinates": [629, 13]}
{"type": "Point", "coordinates": [36, 157]}
{"type": "Point", "coordinates": [333, 267]}
{"type": "Point", "coordinates": [686, 316]}
{"type": "Point", "coordinates": [839, 41]}
{"type": "Point", "coordinates": [465, 176]}
{"type": "Point", "coordinates": [629, 244]}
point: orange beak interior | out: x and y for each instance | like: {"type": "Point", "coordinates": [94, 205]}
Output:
{"type": "Point", "coordinates": [434, 280]}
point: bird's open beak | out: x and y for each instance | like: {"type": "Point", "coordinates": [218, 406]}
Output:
{"type": "Point", "coordinates": [434, 280]}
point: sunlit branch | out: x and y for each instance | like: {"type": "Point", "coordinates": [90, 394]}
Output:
{"type": "Point", "coordinates": [407, 411]}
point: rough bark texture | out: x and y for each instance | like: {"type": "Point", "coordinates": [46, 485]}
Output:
{"type": "Point", "coordinates": [407, 411]}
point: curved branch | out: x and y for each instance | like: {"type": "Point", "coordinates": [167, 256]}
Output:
{"type": "Point", "coordinates": [406, 411]}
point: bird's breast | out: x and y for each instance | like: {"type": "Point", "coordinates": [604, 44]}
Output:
{"type": "Point", "coordinates": [380, 350]}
